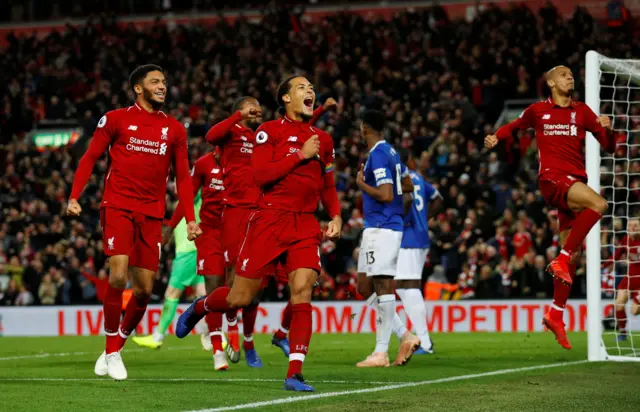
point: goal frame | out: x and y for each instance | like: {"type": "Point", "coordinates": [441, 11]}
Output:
{"type": "Point", "coordinates": [596, 347]}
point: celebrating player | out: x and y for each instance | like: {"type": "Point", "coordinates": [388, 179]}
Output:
{"type": "Point", "coordinates": [560, 125]}
{"type": "Point", "coordinates": [629, 286]}
{"type": "Point", "coordinates": [143, 143]}
{"type": "Point", "coordinates": [235, 138]}
{"type": "Point", "coordinates": [292, 163]}
{"type": "Point", "coordinates": [183, 274]}
{"type": "Point", "coordinates": [413, 253]}
{"type": "Point", "coordinates": [380, 180]}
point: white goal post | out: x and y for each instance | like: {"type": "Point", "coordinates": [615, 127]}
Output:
{"type": "Point", "coordinates": [612, 84]}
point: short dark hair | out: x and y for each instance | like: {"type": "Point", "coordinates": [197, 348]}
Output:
{"type": "Point", "coordinates": [374, 119]}
{"type": "Point", "coordinates": [283, 88]}
{"type": "Point", "coordinates": [141, 72]}
{"type": "Point", "coordinates": [237, 105]}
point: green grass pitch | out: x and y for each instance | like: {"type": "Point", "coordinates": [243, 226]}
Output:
{"type": "Point", "coordinates": [56, 374]}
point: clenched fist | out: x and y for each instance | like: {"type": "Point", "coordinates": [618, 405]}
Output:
{"type": "Point", "coordinates": [490, 141]}
{"type": "Point", "coordinates": [73, 208]}
{"type": "Point", "coordinates": [311, 147]}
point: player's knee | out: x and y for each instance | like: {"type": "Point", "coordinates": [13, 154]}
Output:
{"type": "Point", "coordinates": [239, 300]}
{"type": "Point", "coordinates": [301, 294]}
{"type": "Point", "coordinates": [142, 290]}
{"type": "Point", "coordinates": [601, 205]}
{"type": "Point", "coordinates": [364, 290]}
{"type": "Point", "coordinates": [118, 279]}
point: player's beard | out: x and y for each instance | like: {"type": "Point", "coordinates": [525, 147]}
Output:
{"type": "Point", "coordinates": [254, 124]}
{"type": "Point", "coordinates": [148, 96]}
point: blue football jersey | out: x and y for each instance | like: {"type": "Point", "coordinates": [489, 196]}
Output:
{"type": "Point", "coordinates": [416, 229]}
{"type": "Point", "coordinates": [384, 167]}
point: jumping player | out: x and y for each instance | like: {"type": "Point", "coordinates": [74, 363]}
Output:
{"type": "Point", "coordinates": [292, 163]}
{"type": "Point", "coordinates": [235, 138]}
{"type": "Point", "coordinates": [560, 125]}
{"type": "Point", "coordinates": [629, 286]}
{"type": "Point", "coordinates": [142, 142]}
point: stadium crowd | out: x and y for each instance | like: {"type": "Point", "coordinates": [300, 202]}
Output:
{"type": "Point", "coordinates": [441, 83]}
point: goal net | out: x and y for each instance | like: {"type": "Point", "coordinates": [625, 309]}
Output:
{"type": "Point", "coordinates": [613, 246]}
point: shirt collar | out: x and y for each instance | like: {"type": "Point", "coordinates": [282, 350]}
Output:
{"type": "Point", "coordinates": [376, 145]}
{"type": "Point", "coordinates": [572, 104]}
{"type": "Point", "coordinates": [135, 105]}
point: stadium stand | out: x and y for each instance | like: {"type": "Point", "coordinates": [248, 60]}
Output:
{"type": "Point", "coordinates": [441, 82]}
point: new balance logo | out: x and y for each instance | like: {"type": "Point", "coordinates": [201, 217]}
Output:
{"type": "Point", "coordinates": [132, 127]}
{"type": "Point", "coordinates": [571, 178]}
{"type": "Point", "coordinates": [110, 242]}
{"type": "Point", "coordinates": [244, 265]}
{"type": "Point", "coordinates": [201, 264]}
{"type": "Point", "coordinates": [244, 139]}
{"type": "Point", "coordinates": [215, 170]}
{"type": "Point", "coordinates": [546, 117]}
{"type": "Point", "coordinates": [293, 138]}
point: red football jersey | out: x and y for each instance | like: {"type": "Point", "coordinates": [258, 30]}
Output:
{"type": "Point", "coordinates": [560, 134]}
{"type": "Point", "coordinates": [142, 147]}
{"type": "Point", "coordinates": [630, 249]}
{"type": "Point", "coordinates": [206, 174]}
{"type": "Point", "coordinates": [236, 144]}
{"type": "Point", "coordinates": [288, 181]}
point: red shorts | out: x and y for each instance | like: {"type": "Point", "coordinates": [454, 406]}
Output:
{"type": "Point", "coordinates": [234, 230]}
{"type": "Point", "coordinates": [275, 236]}
{"type": "Point", "coordinates": [554, 188]}
{"type": "Point", "coordinates": [280, 275]}
{"type": "Point", "coordinates": [631, 283]}
{"type": "Point", "coordinates": [210, 252]}
{"type": "Point", "coordinates": [133, 234]}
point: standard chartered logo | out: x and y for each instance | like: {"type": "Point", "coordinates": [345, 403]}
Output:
{"type": "Point", "coordinates": [146, 146]}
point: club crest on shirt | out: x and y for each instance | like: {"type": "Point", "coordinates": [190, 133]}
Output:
{"type": "Point", "coordinates": [165, 131]}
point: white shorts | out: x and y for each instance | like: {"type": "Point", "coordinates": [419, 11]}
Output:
{"type": "Point", "coordinates": [410, 263]}
{"type": "Point", "coordinates": [379, 252]}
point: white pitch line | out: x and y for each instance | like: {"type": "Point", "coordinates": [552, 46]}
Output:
{"type": "Point", "coordinates": [48, 355]}
{"type": "Point", "coordinates": [192, 380]}
{"type": "Point", "coordinates": [292, 399]}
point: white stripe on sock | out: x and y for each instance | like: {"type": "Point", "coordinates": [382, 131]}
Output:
{"type": "Point", "coordinates": [248, 338]}
{"type": "Point", "coordinates": [232, 322]}
{"type": "Point", "coordinates": [111, 333]}
{"type": "Point", "coordinates": [283, 330]}
{"type": "Point", "coordinates": [218, 332]}
{"type": "Point", "coordinates": [122, 334]}
{"type": "Point", "coordinates": [564, 252]}
{"type": "Point", "coordinates": [297, 356]}
{"type": "Point", "coordinates": [556, 307]}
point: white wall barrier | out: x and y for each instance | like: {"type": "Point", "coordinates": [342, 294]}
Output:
{"type": "Point", "coordinates": [328, 317]}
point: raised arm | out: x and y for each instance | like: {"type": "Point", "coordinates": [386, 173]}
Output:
{"type": "Point", "coordinates": [525, 121]}
{"type": "Point", "coordinates": [221, 129]}
{"type": "Point", "coordinates": [601, 129]}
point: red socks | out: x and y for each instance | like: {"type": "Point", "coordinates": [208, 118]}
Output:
{"type": "Point", "coordinates": [249, 315]}
{"type": "Point", "coordinates": [214, 323]}
{"type": "Point", "coordinates": [215, 302]}
{"type": "Point", "coordinates": [112, 308]}
{"type": "Point", "coordinates": [286, 322]}
{"type": "Point", "coordinates": [132, 316]}
{"type": "Point", "coordinates": [561, 293]}
{"type": "Point", "coordinates": [299, 336]}
{"type": "Point", "coordinates": [582, 225]}
{"type": "Point", "coordinates": [621, 320]}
